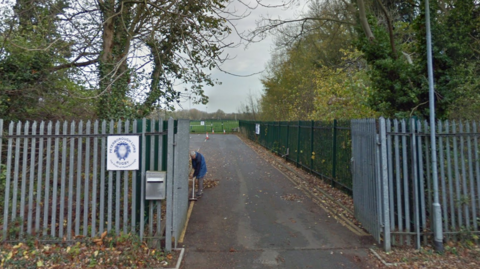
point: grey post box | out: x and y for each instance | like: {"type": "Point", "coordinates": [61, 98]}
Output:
{"type": "Point", "coordinates": [155, 185]}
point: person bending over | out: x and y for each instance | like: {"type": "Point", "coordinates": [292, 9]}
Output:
{"type": "Point", "coordinates": [200, 170]}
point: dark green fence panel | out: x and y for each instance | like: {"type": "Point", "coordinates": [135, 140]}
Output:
{"type": "Point", "coordinates": [344, 154]}
{"type": "Point", "coordinates": [321, 147]}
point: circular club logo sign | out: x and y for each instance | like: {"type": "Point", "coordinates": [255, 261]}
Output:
{"type": "Point", "coordinates": [122, 152]}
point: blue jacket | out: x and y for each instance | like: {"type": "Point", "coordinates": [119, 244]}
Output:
{"type": "Point", "coordinates": [199, 165]}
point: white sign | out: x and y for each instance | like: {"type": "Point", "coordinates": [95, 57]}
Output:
{"type": "Point", "coordinates": [202, 123]}
{"type": "Point", "coordinates": [257, 128]}
{"type": "Point", "coordinates": [123, 152]}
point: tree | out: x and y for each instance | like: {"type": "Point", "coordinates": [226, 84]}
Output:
{"type": "Point", "coordinates": [108, 47]}
{"type": "Point", "coordinates": [399, 83]}
{"type": "Point", "coordinates": [31, 86]}
{"type": "Point", "coordinates": [315, 45]}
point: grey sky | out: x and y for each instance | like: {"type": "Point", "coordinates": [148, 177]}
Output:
{"type": "Point", "coordinates": [234, 90]}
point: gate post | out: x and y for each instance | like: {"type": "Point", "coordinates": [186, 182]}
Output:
{"type": "Point", "coordinates": [169, 183]}
{"type": "Point", "coordinates": [384, 183]}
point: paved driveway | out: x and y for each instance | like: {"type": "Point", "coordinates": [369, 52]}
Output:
{"type": "Point", "coordinates": [250, 220]}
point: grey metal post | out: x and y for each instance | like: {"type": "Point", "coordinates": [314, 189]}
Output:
{"type": "Point", "coordinates": [437, 211]}
{"type": "Point", "coordinates": [180, 178]}
{"type": "Point", "coordinates": [169, 185]}
{"type": "Point", "coordinates": [384, 183]}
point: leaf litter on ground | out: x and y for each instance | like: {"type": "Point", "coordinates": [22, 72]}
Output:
{"type": "Point", "coordinates": [106, 251]}
{"type": "Point", "coordinates": [463, 255]}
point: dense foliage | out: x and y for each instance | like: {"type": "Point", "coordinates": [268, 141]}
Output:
{"type": "Point", "coordinates": [62, 59]}
{"type": "Point", "coordinates": [369, 58]}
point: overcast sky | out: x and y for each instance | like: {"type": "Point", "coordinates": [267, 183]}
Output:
{"type": "Point", "coordinates": [234, 90]}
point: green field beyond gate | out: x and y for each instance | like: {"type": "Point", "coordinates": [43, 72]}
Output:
{"type": "Point", "coordinates": [203, 126]}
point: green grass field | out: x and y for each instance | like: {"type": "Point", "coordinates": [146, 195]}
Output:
{"type": "Point", "coordinates": [210, 125]}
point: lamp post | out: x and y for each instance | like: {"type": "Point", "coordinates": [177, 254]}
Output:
{"type": "Point", "coordinates": [437, 211]}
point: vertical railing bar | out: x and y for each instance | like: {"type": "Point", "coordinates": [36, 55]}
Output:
{"type": "Point", "coordinates": [477, 163]}
{"type": "Point", "coordinates": [55, 179]}
{"type": "Point", "coordinates": [86, 177]}
{"type": "Point", "coordinates": [1, 148]}
{"type": "Point", "coordinates": [450, 180]}
{"type": "Point", "coordinates": [71, 183]}
{"type": "Point", "coordinates": [375, 183]}
{"type": "Point", "coordinates": [110, 188]}
{"type": "Point", "coordinates": [47, 180]}
{"type": "Point", "coordinates": [134, 188]}
{"type": "Point", "coordinates": [398, 173]}
{"type": "Point", "coordinates": [160, 162]}
{"type": "Point", "coordinates": [464, 178]}
{"type": "Point", "coordinates": [94, 179]}
{"type": "Point", "coordinates": [405, 181]}
{"type": "Point", "coordinates": [118, 188]}
{"type": "Point", "coordinates": [32, 174]}
{"type": "Point", "coordinates": [429, 192]}
{"type": "Point", "coordinates": [390, 177]}
{"type": "Point", "coordinates": [457, 176]}
{"type": "Point", "coordinates": [24, 178]}
{"type": "Point", "coordinates": [78, 185]}
{"type": "Point", "coordinates": [15, 173]}
{"type": "Point", "coordinates": [422, 176]}
{"type": "Point", "coordinates": [415, 181]}
{"type": "Point", "coordinates": [39, 177]}
{"type": "Point", "coordinates": [142, 183]}
{"type": "Point", "coordinates": [63, 179]}
{"type": "Point", "coordinates": [151, 167]}
{"type": "Point", "coordinates": [79, 180]}
{"type": "Point", "coordinates": [442, 176]}
{"type": "Point", "coordinates": [103, 151]}
{"type": "Point", "coordinates": [169, 189]}
{"type": "Point", "coordinates": [370, 180]}
{"type": "Point", "coordinates": [125, 188]}
{"type": "Point", "coordinates": [11, 127]}
{"type": "Point", "coordinates": [472, 180]}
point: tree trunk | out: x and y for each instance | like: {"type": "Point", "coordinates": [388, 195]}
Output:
{"type": "Point", "coordinates": [114, 72]}
{"type": "Point", "coordinates": [364, 21]}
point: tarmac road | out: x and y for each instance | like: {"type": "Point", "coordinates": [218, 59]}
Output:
{"type": "Point", "coordinates": [248, 221]}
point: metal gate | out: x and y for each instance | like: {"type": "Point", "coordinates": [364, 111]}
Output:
{"type": "Point", "coordinates": [56, 185]}
{"type": "Point", "coordinates": [369, 178]}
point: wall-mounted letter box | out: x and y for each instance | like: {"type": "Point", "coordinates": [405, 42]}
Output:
{"type": "Point", "coordinates": [155, 185]}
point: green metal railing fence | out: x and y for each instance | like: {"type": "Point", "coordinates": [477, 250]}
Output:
{"type": "Point", "coordinates": [202, 126]}
{"type": "Point", "coordinates": [321, 147]}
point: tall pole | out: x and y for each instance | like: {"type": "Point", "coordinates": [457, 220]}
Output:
{"type": "Point", "coordinates": [437, 211]}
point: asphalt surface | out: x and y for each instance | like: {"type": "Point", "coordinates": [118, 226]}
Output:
{"type": "Point", "coordinates": [247, 222]}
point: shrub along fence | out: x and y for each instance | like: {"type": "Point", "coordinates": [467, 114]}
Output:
{"type": "Point", "coordinates": [321, 147]}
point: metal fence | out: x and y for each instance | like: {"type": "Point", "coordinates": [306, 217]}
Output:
{"type": "Point", "coordinates": [367, 187]}
{"type": "Point", "coordinates": [217, 126]}
{"type": "Point", "coordinates": [55, 183]}
{"type": "Point", "coordinates": [400, 180]}
{"type": "Point", "coordinates": [323, 148]}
